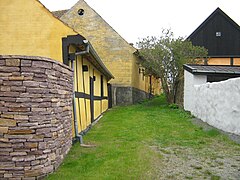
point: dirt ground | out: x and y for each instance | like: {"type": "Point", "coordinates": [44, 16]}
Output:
{"type": "Point", "coordinates": [215, 162]}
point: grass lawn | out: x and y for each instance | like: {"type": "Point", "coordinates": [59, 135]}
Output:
{"type": "Point", "coordinates": [126, 140]}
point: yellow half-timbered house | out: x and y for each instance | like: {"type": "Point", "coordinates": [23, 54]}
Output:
{"type": "Point", "coordinates": [29, 29]}
{"type": "Point", "coordinates": [130, 84]}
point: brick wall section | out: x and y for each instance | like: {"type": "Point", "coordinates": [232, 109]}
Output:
{"type": "Point", "coordinates": [35, 116]}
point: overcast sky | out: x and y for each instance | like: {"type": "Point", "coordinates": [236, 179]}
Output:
{"type": "Point", "coordinates": [134, 19]}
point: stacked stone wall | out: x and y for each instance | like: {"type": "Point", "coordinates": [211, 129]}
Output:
{"type": "Point", "coordinates": [35, 116]}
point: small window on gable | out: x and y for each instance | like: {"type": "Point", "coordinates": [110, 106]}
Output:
{"type": "Point", "coordinates": [218, 34]}
{"type": "Point", "coordinates": [81, 12]}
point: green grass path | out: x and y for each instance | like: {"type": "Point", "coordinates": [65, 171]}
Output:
{"type": "Point", "coordinates": [124, 137]}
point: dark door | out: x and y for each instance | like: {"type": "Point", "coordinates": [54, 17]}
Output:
{"type": "Point", "coordinates": [109, 87]}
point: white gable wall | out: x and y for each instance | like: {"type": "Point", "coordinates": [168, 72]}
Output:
{"type": "Point", "coordinates": [189, 81]}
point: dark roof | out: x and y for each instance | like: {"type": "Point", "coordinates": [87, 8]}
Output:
{"type": "Point", "coordinates": [225, 45]}
{"type": "Point", "coordinates": [217, 11]}
{"type": "Point", "coordinates": [212, 69]}
{"type": "Point", "coordinates": [60, 13]}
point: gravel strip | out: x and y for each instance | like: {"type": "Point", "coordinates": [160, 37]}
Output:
{"type": "Point", "coordinates": [216, 161]}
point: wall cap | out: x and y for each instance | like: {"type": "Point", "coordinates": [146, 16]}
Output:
{"type": "Point", "coordinates": [37, 58]}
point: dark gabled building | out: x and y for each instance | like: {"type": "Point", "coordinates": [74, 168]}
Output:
{"type": "Point", "coordinates": [221, 36]}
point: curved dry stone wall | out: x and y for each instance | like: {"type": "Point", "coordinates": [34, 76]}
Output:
{"type": "Point", "coordinates": [35, 116]}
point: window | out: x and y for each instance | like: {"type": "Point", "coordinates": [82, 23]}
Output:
{"type": "Point", "coordinates": [81, 12]}
{"type": "Point", "coordinates": [218, 34]}
{"type": "Point", "coordinates": [85, 68]}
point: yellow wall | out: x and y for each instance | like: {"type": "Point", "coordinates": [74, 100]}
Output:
{"type": "Point", "coordinates": [223, 61]}
{"type": "Point", "coordinates": [138, 79]}
{"type": "Point", "coordinates": [82, 84]}
{"type": "Point", "coordinates": [237, 61]}
{"type": "Point", "coordinates": [219, 61]}
{"type": "Point", "coordinates": [142, 81]}
{"type": "Point", "coordinates": [156, 86]}
{"type": "Point", "coordinates": [27, 28]}
{"type": "Point", "coordinates": [104, 105]}
{"type": "Point", "coordinates": [115, 52]}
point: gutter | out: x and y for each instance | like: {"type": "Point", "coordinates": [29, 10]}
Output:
{"type": "Point", "coordinates": [78, 136]}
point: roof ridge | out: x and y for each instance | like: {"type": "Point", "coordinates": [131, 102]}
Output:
{"type": "Point", "coordinates": [215, 12]}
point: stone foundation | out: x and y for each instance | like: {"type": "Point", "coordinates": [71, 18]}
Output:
{"type": "Point", "coordinates": [127, 95]}
{"type": "Point", "coordinates": [35, 116]}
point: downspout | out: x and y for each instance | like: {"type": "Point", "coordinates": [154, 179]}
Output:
{"type": "Point", "coordinates": [79, 137]}
{"type": "Point", "coordinates": [66, 58]}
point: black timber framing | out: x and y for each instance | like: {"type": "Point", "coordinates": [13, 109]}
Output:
{"type": "Point", "coordinates": [87, 96]}
{"type": "Point", "coordinates": [101, 86]}
{"type": "Point", "coordinates": [92, 98]}
{"type": "Point", "coordinates": [219, 34]}
{"type": "Point", "coordinates": [84, 48]}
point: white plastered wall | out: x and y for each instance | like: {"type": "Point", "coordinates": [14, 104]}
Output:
{"type": "Point", "coordinates": [218, 104]}
{"type": "Point", "coordinates": [189, 81]}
